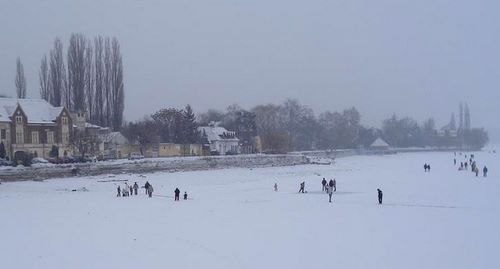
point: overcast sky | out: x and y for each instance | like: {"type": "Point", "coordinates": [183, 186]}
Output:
{"type": "Point", "coordinates": [414, 58]}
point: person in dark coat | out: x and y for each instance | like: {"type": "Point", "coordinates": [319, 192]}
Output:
{"type": "Point", "coordinates": [149, 190]}
{"type": "Point", "coordinates": [428, 168]}
{"type": "Point", "coordinates": [334, 185]}
{"type": "Point", "coordinates": [331, 183]}
{"type": "Point", "coordinates": [485, 171]}
{"type": "Point", "coordinates": [131, 191]}
{"type": "Point", "coordinates": [177, 193]}
{"type": "Point", "coordinates": [119, 192]}
{"type": "Point", "coordinates": [136, 187]}
{"type": "Point", "coordinates": [302, 187]}
{"type": "Point", "coordinates": [323, 182]}
{"type": "Point", "coordinates": [380, 196]}
{"type": "Point", "coordinates": [455, 161]}
{"type": "Point", "coordinates": [146, 186]}
{"type": "Point", "coordinates": [185, 195]}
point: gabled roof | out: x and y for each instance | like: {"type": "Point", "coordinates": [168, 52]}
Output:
{"type": "Point", "coordinates": [37, 110]}
{"type": "Point", "coordinates": [217, 133]}
{"type": "Point", "coordinates": [113, 137]}
{"type": "Point", "coordinates": [379, 143]}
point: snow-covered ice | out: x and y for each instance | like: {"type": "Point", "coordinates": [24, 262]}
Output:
{"type": "Point", "coordinates": [234, 219]}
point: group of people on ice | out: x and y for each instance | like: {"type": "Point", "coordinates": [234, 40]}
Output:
{"type": "Point", "coordinates": [472, 163]}
{"type": "Point", "coordinates": [427, 167]}
{"type": "Point", "coordinates": [129, 190]}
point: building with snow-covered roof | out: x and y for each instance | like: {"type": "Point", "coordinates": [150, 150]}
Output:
{"type": "Point", "coordinates": [34, 126]}
{"type": "Point", "coordinates": [379, 144]}
{"type": "Point", "coordinates": [220, 140]}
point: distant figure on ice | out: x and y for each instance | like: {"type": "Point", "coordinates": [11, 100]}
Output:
{"type": "Point", "coordinates": [485, 171]}
{"type": "Point", "coordinates": [323, 182]}
{"type": "Point", "coordinates": [136, 187]}
{"type": "Point", "coordinates": [461, 165]}
{"type": "Point", "coordinates": [427, 167]}
{"type": "Point", "coordinates": [465, 165]}
{"type": "Point", "coordinates": [476, 170]}
{"type": "Point", "coordinates": [119, 192]}
{"type": "Point", "coordinates": [149, 190]}
{"type": "Point", "coordinates": [177, 193]}
{"type": "Point", "coordinates": [125, 190]}
{"type": "Point", "coordinates": [185, 195]}
{"type": "Point", "coordinates": [334, 185]}
{"type": "Point", "coordinates": [275, 186]}
{"type": "Point", "coordinates": [380, 196]}
{"type": "Point", "coordinates": [455, 161]}
{"type": "Point", "coordinates": [146, 186]}
{"type": "Point", "coordinates": [302, 187]}
{"type": "Point", "coordinates": [131, 191]}
{"type": "Point", "coordinates": [329, 190]}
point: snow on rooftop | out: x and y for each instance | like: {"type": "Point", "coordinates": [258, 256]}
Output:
{"type": "Point", "coordinates": [37, 110]}
{"type": "Point", "coordinates": [215, 133]}
{"type": "Point", "coordinates": [379, 142]}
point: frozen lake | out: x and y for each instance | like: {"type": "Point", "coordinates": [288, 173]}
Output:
{"type": "Point", "coordinates": [233, 219]}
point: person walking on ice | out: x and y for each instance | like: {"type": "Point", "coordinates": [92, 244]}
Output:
{"type": "Point", "coordinates": [149, 190]}
{"type": "Point", "coordinates": [177, 192]}
{"type": "Point", "coordinates": [119, 192]}
{"type": "Point", "coordinates": [329, 190]}
{"type": "Point", "coordinates": [146, 186]}
{"type": "Point", "coordinates": [302, 187]}
{"type": "Point", "coordinates": [185, 195]}
{"type": "Point", "coordinates": [323, 182]}
{"type": "Point", "coordinates": [136, 187]}
{"type": "Point", "coordinates": [334, 185]}
{"type": "Point", "coordinates": [485, 171]}
{"type": "Point", "coordinates": [275, 186]}
{"type": "Point", "coordinates": [380, 196]}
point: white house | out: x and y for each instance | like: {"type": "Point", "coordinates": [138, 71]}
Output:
{"type": "Point", "coordinates": [379, 144]}
{"type": "Point", "coordinates": [220, 140]}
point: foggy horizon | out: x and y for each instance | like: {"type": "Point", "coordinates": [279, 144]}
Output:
{"type": "Point", "coordinates": [416, 59]}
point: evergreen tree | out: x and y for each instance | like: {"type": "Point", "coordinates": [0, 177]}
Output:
{"type": "Point", "coordinates": [461, 116]}
{"type": "Point", "coordinates": [453, 124]}
{"type": "Point", "coordinates": [466, 117]}
{"type": "Point", "coordinates": [189, 126]}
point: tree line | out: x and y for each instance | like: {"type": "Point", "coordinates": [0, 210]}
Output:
{"type": "Point", "coordinates": [88, 80]}
{"type": "Point", "coordinates": [291, 126]}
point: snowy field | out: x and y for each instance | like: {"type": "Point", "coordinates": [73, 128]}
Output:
{"type": "Point", "coordinates": [234, 219]}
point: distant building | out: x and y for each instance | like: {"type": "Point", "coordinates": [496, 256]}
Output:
{"type": "Point", "coordinates": [219, 140]}
{"type": "Point", "coordinates": [379, 144]}
{"type": "Point", "coordinates": [33, 126]}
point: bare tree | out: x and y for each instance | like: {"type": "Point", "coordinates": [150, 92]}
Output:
{"type": "Point", "coordinates": [117, 87]}
{"type": "Point", "coordinates": [20, 80]}
{"type": "Point", "coordinates": [89, 82]}
{"type": "Point", "coordinates": [76, 73]}
{"type": "Point", "coordinates": [57, 74]}
{"type": "Point", "coordinates": [43, 76]}
{"type": "Point", "coordinates": [107, 82]}
{"type": "Point", "coordinates": [99, 80]}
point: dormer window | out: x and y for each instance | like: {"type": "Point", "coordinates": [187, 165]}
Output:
{"type": "Point", "coordinates": [19, 119]}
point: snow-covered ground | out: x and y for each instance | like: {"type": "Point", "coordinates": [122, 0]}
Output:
{"type": "Point", "coordinates": [234, 219]}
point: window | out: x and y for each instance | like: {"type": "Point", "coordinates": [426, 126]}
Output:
{"type": "Point", "coordinates": [50, 137]}
{"type": "Point", "coordinates": [64, 120]}
{"type": "Point", "coordinates": [34, 137]}
{"type": "Point", "coordinates": [19, 138]}
{"type": "Point", "coordinates": [19, 119]}
{"type": "Point", "coordinates": [65, 138]}
{"type": "Point", "coordinates": [3, 134]}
